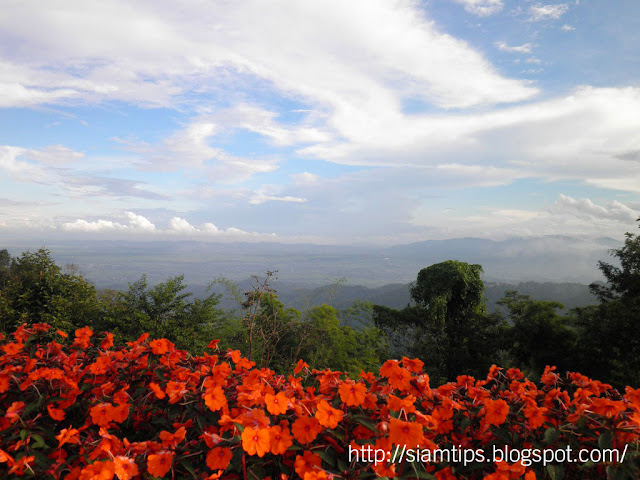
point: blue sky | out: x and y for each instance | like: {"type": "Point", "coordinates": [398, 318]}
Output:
{"type": "Point", "coordinates": [368, 121]}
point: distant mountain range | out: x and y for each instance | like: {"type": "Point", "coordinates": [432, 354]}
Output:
{"type": "Point", "coordinates": [543, 259]}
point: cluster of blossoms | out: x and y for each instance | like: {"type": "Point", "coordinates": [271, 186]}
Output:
{"type": "Point", "coordinates": [80, 408]}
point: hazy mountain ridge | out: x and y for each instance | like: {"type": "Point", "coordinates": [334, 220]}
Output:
{"type": "Point", "coordinates": [113, 264]}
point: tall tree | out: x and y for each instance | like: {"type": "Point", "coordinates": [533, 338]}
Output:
{"type": "Point", "coordinates": [609, 333]}
{"type": "Point", "coordinates": [448, 327]}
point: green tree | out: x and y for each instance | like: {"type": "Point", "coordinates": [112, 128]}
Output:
{"type": "Point", "coordinates": [39, 291]}
{"type": "Point", "coordinates": [539, 336]}
{"type": "Point", "coordinates": [330, 344]}
{"type": "Point", "coordinates": [448, 327]}
{"type": "Point", "coordinates": [5, 267]}
{"type": "Point", "coordinates": [163, 310]}
{"type": "Point", "coordinates": [608, 345]}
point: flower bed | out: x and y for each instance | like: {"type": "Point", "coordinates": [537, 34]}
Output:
{"type": "Point", "coordinates": [80, 408]}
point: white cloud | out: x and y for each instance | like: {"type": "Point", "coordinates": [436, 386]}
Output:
{"type": "Point", "coordinates": [139, 223]}
{"type": "Point", "coordinates": [567, 28]}
{"type": "Point", "coordinates": [146, 55]}
{"type": "Point", "coordinates": [190, 148]}
{"type": "Point", "coordinates": [55, 155]}
{"type": "Point", "coordinates": [585, 208]}
{"type": "Point", "coordinates": [180, 225]}
{"type": "Point", "coordinates": [18, 169]}
{"type": "Point", "coordinates": [260, 197]}
{"type": "Point", "coordinates": [547, 12]}
{"type": "Point", "coordinates": [482, 8]}
{"type": "Point", "coordinates": [80, 225]}
{"type": "Point", "coordinates": [524, 48]}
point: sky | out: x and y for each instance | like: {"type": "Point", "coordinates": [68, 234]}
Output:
{"type": "Point", "coordinates": [336, 122]}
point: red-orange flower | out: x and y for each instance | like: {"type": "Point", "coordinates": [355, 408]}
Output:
{"type": "Point", "coordinates": [256, 441]}
{"type": "Point", "coordinates": [219, 458]}
{"type": "Point", "coordinates": [14, 411]}
{"type": "Point", "coordinates": [125, 468]}
{"type": "Point", "coordinates": [102, 414]}
{"type": "Point", "coordinates": [68, 435]}
{"type": "Point", "coordinates": [353, 394]}
{"type": "Point", "coordinates": [160, 346]}
{"type": "Point", "coordinates": [307, 463]}
{"type": "Point", "coordinates": [159, 464]}
{"type": "Point", "coordinates": [280, 440]}
{"type": "Point", "coordinates": [300, 366]}
{"type": "Point", "coordinates": [327, 415]}
{"type": "Point", "coordinates": [405, 433]}
{"type": "Point", "coordinates": [215, 399]}
{"type": "Point", "coordinates": [306, 429]}
{"type": "Point", "coordinates": [496, 411]}
{"type": "Point", "coordinates": [276, 404]}
{"type": "Point", "coordinates": [157, 390]}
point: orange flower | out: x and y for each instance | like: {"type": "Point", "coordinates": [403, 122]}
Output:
{"type": "Point", "coordinates": [606, 408]}
{"type": "Point", "coordinates": [68, 435]}
{"type": "Point", "coordinates": [353, 394]}
{"type": "Point", "coordinates": [256, 441]}
{"type": "Point", "coordinates": [316, 475]}
{"type": "Point", "coordinates": [4, 383]}
{"type": "Point", "coordinates": [12, 348]}
{"type": "Point", "coordinates": [307, 463]}
{"type": "Point", "coordinates": [107, 342]}
{"type": "Point", "coordinates": [234, 355]}
{"type": "Point", "coordinates": [120, 413]}
{"type": "Point", "coordinates": [413, 365]}
{"type": "Point", "coordinates": [300, 366]}
{"type": "Point", "coordinates": [400, 378]}
{"type": "Point", "coordinates": [327, 415]}
{"type": "Point", "coordinates": [405, 433]}
{"type": "Point", "coordinates": [61, 333]}
{"type": "Point", "coordinates": [159, 464]}
{"type": "Point", "coordinates": [280, 440]}
{"type": "Point", "coordinates": [14, 411]}
{"type": "Point", "coordinates": [496, 411]}
{"type": "Point", "coordinates": [101, 414]}
{"type": "Point", "coordinates": [83, 336]}
{"type": "Point", "coordinates": [219, 458]}
{"type": "Point", "coordinates": [276, 404]}
{"type": "Point", "coordinates": [161, 346]}
{"type": "Point", "coordinates": [125, 468]}
{"type": "Point", "coordinates": [157, 390]}
{"type": "Point", "coordinates": [171, 440]}
{"type": "Point", "coordinates": [175, 390]}
{"type": "Point", "coordinates": [215, 399]}
{"type": "Point", "coordinates": [98, 471]}
{"type": "Point", "coordinates": [306, 429]}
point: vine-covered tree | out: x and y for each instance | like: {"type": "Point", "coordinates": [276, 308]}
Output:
{"type": "Point", "coordinates": [448, 327]}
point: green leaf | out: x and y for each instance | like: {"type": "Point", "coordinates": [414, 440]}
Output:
{"type": "Point", "coordinates": [189, 467]}
{"type": "Point", "coordinates": [551, 436]}
{"type": "Point", "coordinates": [556, 472]}
{"type": "Point", "coordinates": [39, 441]}
{"type": "Point", "coordinates": [606, 440]}
{"type": "Point", "coordinates": [364, 421]}
{"type": "Point", "coordinates": [327, 457]}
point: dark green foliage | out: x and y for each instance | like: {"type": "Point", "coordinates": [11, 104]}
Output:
{"type": "Point", "coordinates": [37, 290]}
{"type": "Point", "coordinates": [539, 336]}
{"type": "Point", "coordinates": [448, 328]}
{"type": "Point", "coordinates": [609, 341]}
{"type": "Point", "coordinates": [164, 310]}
